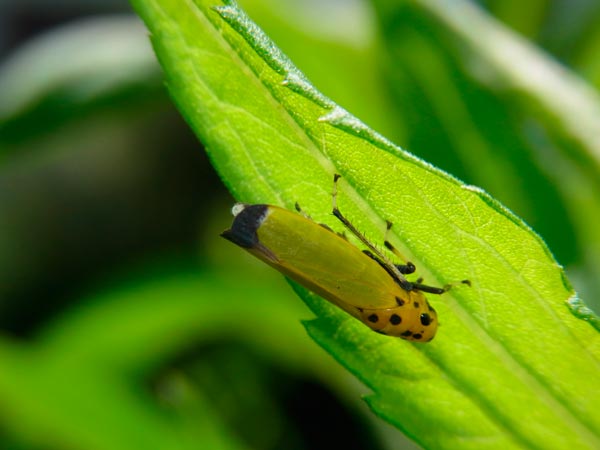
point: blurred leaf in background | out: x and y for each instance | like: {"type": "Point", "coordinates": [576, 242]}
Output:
{"type": "Point", "coordinates": [119, 322]}
{"type": "Point", "coordinates": [120, 326]}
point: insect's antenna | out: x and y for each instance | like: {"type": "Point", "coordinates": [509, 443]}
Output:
{"type": "Point", "coordinates": [392, 269]}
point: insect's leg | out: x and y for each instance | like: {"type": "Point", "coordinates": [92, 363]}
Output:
{"type": "Point", "coordinates": [430, 289]}
{"type": "Point", "coordinates": [437, 290]}
{"type": "Point", "coordinates": [337, 213]}
{"type": "Point", "coordinates": [380, 262]}
{"type": "Point", "coordinates": [409, 268]}
{"type": "Point", "coordinates": [389, 267]}
{"type": "Point", "coordinates": [405, 269]}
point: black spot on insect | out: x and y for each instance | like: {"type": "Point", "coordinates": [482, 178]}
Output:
{"type": "Point", "coordinates": [395, 319]}
{"type": "Point", "coordinates": [399, 301]}
{"type": "Point", "coordinates": [360, 309]}
{"type": "Point", "coordinates": [425, 319]}
{"type": "Point", "coordinates": [373, 318]}
{"type": "Point", "coordinates": [416, 336]}
{"type": "Point", "coordinates": [416, 304]}
{"type": "Point", "coordinates": [406, 333]}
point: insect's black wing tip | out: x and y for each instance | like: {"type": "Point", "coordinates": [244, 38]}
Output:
{"type": "Point", "coordinates": [226, 234]}
{"type": "Point", "coordinates": [245, 224]}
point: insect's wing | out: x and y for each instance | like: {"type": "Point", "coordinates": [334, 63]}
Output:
{"type": "Point", "coordinates": [323, 261]}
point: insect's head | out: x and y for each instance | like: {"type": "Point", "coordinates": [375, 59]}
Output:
{"type": "Point", "coordinates": [412, 319]}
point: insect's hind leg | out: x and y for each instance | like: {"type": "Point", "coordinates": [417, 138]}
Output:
{"type": "Point", "coordinates": [405, 269]}
{"type": "Point", "coordinates": [430, 289]}
{"type": "Point", "coordinates": [337, 213]}
{"type": "Point", "coordinates": [394, 271]}
{"type": "Point", "coordinates": [380, 262]}
{"type": "Point", "coordinates": [436, 290]}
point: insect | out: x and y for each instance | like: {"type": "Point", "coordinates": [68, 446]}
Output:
{"type": "Point", "coordinates": [364, 283]}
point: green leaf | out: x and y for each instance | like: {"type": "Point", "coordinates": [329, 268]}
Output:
{"type": "Point", "coordinates": [350, 45]}
{"type": "Point", "coordinates": [533, 126]}
{"type": "Point", "coordinates": [78, 384]}
{"type": "Point", "coordinates": [511, 366]}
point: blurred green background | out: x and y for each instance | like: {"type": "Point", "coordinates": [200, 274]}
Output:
{"type": "Point", "coordinates": [127, 323]}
